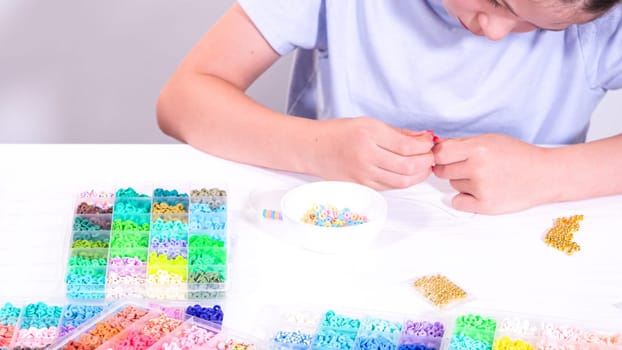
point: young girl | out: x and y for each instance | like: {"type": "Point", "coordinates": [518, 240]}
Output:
{"type": "Point", "coordinates": [374, 82]}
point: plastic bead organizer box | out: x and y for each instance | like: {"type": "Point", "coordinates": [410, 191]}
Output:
{"type": "Point", "coordinates": [168, 245]}
{"type": "Point", "coordinates": [38, 325]}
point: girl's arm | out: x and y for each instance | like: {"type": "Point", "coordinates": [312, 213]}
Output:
{"type": "Point", "coordinates": [497, 174]}
{"type": "Point", "coordinates": [204, 104]}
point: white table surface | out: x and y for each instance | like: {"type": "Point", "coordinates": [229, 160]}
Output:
{"type": "Point", "coordinates": [501, 261]}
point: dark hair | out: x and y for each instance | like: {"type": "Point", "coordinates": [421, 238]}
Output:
{"type": "Point", "coordinates": [599, 6]}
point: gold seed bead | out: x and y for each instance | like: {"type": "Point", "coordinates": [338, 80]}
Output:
{"type": "Point", "coordinates": [561, 235]}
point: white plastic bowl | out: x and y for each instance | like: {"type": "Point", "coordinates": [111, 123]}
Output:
{"type": "Point", "coordinates": [358, 198]}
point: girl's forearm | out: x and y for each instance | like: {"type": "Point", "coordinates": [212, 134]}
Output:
{"type": "Point", "coordinates": [216, 117]}
{"type": "Point", "coordinates": [587, 170]}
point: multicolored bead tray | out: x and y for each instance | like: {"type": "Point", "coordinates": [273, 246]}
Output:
{"type": "Point", "coordinates": [165, 244]}
{"type": "Point", "coordinates": [337, 330]}
{"type": "Point", "coordinates": [39, 324]}
{"type": "Point", "coordinates": [134, 326]}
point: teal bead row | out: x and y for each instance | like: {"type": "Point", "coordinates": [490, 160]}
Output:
{"type": "Point", "coordinates": [333, 320]}
{"type": "Point", "coordinates": [382, 326]}
{"type": "Point", "coordinates": [85, 275]}
{"type": "Point", "coordinates": [38, 323]}
{"type": "Point", "coordinates": [81, 224]}
{"type": "Point", "coordinates": [132, 206]}
{"type": "Point", "coordinates": [161, 192]}
{"type": "Point", "coordinates": [171, 227]}
{"type": "Point", "coordinates": [86, 292]}
{"type": "Point", "coordinates": [334, 339]}
{"type": "Point", "coordinates": [460, 342]}
{"type": "Point", "coordinates": [42, 310]}
{"type": "Point", "coordinates": [128, 193]}
{"type": "Point", "coordinates": [9, 314]}
{"type": "Point", "coordinates": [87, 262]}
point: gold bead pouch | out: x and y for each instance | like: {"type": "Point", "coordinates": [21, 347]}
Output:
{"type": "Point", "coordinates": [439, 291]}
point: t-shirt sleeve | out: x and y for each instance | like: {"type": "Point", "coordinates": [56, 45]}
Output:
{"type": "Point", "coordinates": [601, 42]}
{"type": "Point", "coordinates": [286, 24]}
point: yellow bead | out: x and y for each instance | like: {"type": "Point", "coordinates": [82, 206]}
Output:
{"type": "Point", "coordinates": [561, 235]}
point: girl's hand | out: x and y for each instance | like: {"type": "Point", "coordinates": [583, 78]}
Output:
{"type": "Point", "coordinates": [370, 152]}
{"type": "Point", "coordinates": [494, 173]}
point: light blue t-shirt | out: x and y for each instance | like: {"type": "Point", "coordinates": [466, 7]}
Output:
{"type": "Point", "coordinates": [410, 64]}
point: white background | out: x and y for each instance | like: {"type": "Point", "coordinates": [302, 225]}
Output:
{"type": "Point", "coordinates": [76, 71]}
